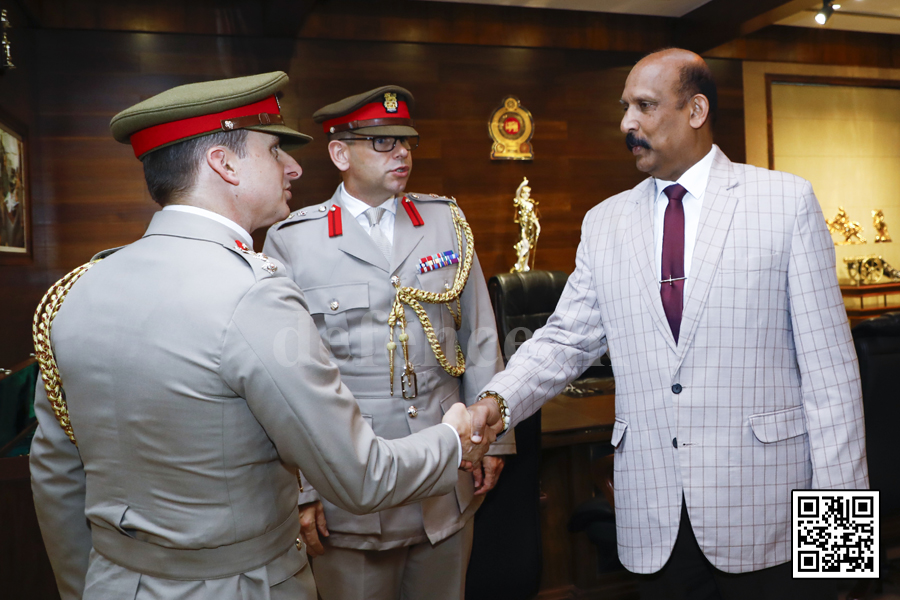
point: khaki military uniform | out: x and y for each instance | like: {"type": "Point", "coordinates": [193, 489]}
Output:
{"type": "Point", "coordinates": [347, 282]}
{"type": "Point", "coordinates": [197, 385]}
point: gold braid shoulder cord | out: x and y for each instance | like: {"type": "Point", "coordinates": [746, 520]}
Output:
{"type": "Point", "coordinates": [43, 320]}
{"type": "Point", "coordinates": [414, 297]}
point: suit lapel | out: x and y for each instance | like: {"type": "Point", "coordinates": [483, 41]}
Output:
{"type": "Point", "coordinates": [643, 246]}
{"type": "Point", "coordinates": [355, 241]}
{"type": "Point", "coordinates": [406, 238]}
{"type": "Point", "coordinates": [716, 216]}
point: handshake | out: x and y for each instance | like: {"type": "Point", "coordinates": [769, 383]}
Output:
{"type": "Point", "coordinates": [478, 426]}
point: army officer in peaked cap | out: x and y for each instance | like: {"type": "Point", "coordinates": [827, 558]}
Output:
{"type": "Point", "coordinates": [364, 259]}
{"type": "Point", "coordinates": [195, 385]}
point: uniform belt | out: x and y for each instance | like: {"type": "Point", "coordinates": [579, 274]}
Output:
{"type": "Point", "coordinates": [184, 564]}
{"type": "Point", "coordinates": [378, 385]}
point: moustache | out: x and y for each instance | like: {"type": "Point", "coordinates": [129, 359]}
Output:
{"type": "Point", "coordinates": [631, 140]}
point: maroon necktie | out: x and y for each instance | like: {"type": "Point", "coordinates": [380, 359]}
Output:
{"type": "Point", "coordinates": [671, 288]}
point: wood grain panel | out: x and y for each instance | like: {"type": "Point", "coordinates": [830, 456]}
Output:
{"type": "Point", "coordinates": [89, 193]}
{"type": "Point", "coordinates": [816, 46]}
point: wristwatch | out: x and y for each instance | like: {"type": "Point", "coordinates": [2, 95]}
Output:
{"type": "Point", "coordinates": [501, 405]}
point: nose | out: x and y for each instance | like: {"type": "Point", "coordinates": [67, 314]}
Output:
{"type": "Point", "coordinates": [292, 168]}
{"type": "Point", "coordinates": [400, 150]}
{"type": "Point", "coordinates": [628, 122]}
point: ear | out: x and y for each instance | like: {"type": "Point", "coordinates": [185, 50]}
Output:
{"type": "Point", "coordinates": [221, 160]}
{"type": "Point", "coordinates": [340, 154]}
{"type": "Point", "coordinates": [699, 105]}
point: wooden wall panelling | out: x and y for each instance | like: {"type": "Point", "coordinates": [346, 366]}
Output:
{"type": "Point", "coordinates": [88, 189]}
{"type": "Point", "coordinates": [19, 283]}
{"type": "Point", "coordinates": [817, 46]}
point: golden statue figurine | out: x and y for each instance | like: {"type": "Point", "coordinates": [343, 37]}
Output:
{"type": "Point", "coordinates": [881, 230]}
{"type": "Point", "coordinates": [527, 218]}
{"type": "Point", "coordinates": [842, 224]}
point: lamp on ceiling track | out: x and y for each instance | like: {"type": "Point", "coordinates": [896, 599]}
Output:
{"type": "Point", "coordinates": [828, 8]}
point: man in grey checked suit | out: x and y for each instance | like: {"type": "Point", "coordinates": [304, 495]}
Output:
{"type": "Point", "coordinates": [197, 385]}
{"type": "Point", "coordinates": [742, 389]}
{"type": "Point", "coordinates": [347, 255]}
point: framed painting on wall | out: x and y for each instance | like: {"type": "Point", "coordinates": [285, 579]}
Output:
{"type": "Point", "coordinates": [15, 192]}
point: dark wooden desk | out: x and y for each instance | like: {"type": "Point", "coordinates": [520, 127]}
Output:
{"type": "Point", "coordinates": [855, 300]}
{"type": "Point", "coordinates": [573, 430]}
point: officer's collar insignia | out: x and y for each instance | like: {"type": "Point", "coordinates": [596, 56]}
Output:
{"type": "Point", "coordinates": [437, 261]}
{"type": "Point", "coordinates": [267, 265]}
{"type": "Point", "coordinates": [390, 102]}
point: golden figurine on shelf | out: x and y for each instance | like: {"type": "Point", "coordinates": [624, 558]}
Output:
{"type": "Point", "coordinates": [530, 228]}
{"type": "Point", "coordinates": [842, 224]}
{"type": "Point", "coordinates": [881, 229]}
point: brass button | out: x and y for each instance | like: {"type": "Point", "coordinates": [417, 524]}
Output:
{"type": "Point", "coordinates": [334, 305]}
{"type": "Point", "coordinates": [322, 209]}
{"type": "Point", "coordinates": [413, 412]}
{"type": "Point", "coordinates": [395, 280]}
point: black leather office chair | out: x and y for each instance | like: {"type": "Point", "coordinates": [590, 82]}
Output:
{"type": "Point", "coordinates": [877, 344]}
{"type": "Point", "coordinates": [506, 554]}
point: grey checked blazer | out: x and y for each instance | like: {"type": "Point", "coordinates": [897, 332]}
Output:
{"type": "Point", "coordinates": [197, 385]}
{"type": "Point", "coordinates": [769, 396]}
{"type": "Point", "coordinates": [347, 283]}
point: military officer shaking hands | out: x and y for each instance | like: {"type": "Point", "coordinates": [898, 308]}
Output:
{"type": "Point", "coordinates": [167, 362]}
{"type": "Point", "coordinates": [396, 291]}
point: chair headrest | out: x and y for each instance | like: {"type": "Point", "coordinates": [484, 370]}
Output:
{"type": "Point", "coordinates": [886, 325]}
{"type": "Point", "coordinates": [527, 293]}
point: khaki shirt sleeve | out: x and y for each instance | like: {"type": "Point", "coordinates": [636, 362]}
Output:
{"type": "Point", "coordinates": [58, 485]}
{"type": "Point", "coordinates": [272, 356]}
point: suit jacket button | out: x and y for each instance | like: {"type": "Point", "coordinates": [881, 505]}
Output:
{"type": "Point", "coordinates": [334, 305]}
{"type": "Point", "coordinates": [676, 389]}
{"type": "Point", "coordinates": [413, 412]}
{"type": "Point", "coordinates": [674, 442]}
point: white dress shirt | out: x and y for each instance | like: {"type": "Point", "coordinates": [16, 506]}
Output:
{"type": "Point", "coordinates": [694, 181]}
{"type": "Point", "coordinates": [358, 208]}
{"type": "Point", "coordinates": [242, 233]}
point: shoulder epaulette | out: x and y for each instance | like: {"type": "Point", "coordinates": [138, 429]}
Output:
{"type": "Point", "coordinates": [104, 253]}
{"type": "Point", "coordinates": [309, 213]}
{"type": "Point", "coordinates": [262, 265]}
{"type": "Point", "coordinates": [431, 198]}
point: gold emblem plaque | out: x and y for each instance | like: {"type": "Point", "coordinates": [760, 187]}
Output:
{"type": "Point", "coordinates": [511, 127]}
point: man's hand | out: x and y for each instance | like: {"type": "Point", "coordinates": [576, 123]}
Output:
{"type": "Point", "coordinates": [473, 451]}
{"type": "Point", "coordinates": [487, 475]}
{"type": "Point", "coordinates": [485, 414]}
{"type": "Point", "coordinates": [312, 523]}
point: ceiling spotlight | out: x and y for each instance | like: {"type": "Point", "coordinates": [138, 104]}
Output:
{"type": "Point", "coordinates": [823, 15]}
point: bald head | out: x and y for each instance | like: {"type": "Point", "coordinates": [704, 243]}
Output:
{"type": "Point", "coordinates": [669, 99]}
{"type": "Point", "coordinates": [694, 76]}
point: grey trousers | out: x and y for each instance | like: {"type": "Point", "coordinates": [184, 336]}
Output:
{"type": "Point", "coordinates": [418, 572]}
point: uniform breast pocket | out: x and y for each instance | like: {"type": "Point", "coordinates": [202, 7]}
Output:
{"type": "Point", "coordinates": [335, 309]}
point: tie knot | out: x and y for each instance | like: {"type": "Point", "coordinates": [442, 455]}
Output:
{"type": "Point", "coordinates": [675, 192]}
{"type": "Point", "coordinates": [374, 214]}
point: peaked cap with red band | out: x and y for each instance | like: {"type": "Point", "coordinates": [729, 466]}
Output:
{"type": "Point", "coordinates": [198, 109]}
{"type": "Point", "coordinates": [383, 111]}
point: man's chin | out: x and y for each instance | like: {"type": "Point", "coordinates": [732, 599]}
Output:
{"type": "Point", "coordinates": [643, 164]}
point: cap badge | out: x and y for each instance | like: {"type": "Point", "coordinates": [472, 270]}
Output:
{"type": "Point", "coordinates": [390, 102]}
